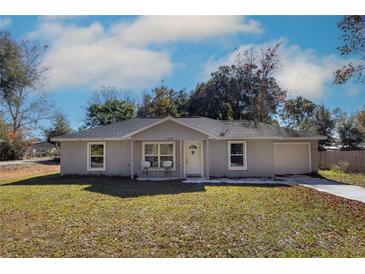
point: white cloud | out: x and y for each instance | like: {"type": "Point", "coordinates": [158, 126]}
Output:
{"type": "Point", "coordinates": [121, 54]}
{"type": "Point", "coordinates": [301, 71]}
{"type": "Point", "coordinates": [159, 29]}
{"type": "Point", "coordinates": [4, 22]}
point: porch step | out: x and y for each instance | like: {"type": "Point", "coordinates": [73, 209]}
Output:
{"type": "Point", "coordinates": [157, 178]}
{"type": "Point", "coordinates": [254, 181]}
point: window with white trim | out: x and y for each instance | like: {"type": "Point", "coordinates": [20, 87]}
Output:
{"type": "Point", "coordinates": [237, 155]}
{"type": "Point", "coordinates": [158, 152]}
{"type": "Point", "coordinates": [96, 156]}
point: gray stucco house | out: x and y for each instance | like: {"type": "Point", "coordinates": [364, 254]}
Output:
{"type": "Point", "coordinates": [194, 146]}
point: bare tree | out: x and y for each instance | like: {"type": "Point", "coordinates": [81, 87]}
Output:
{"type": "Point", "coordinates": [108, 105]}
{"type": "Point", "coordinates": [22, 105]}
{"type": "Point", "coordinates": [255, 70]}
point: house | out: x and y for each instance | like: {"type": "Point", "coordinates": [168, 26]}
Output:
{"type": "Point", "coordinates": [40, 149]}
{"type": "Point", "coordinates": [196, 147]}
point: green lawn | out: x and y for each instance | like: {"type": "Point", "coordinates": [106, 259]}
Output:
{"type": "Point", "coordinates": [347, 178]}
{"type": "Point", "coordinates": [51, 216]}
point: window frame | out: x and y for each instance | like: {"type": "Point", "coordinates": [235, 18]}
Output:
{"type": "Point", "coordinates": [158, 143]}
{"type": "Point", "coordinates": [89, 168]}
{"type": "Point", "coordinates": [244, 167]}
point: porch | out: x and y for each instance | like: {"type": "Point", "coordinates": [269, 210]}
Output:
{"type": "Point", "coordinates": [189, 159]}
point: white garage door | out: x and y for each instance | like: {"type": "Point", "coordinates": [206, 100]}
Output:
{"type": "Point", "coordinates": [292, 158]}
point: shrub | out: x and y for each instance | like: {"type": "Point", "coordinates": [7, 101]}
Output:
{"type": "Point", "coordinates": [11, 149]}
{"type": "Point", "coordinates": [340, 166]}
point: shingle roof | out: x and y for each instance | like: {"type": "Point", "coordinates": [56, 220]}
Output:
{"type": "Point", "coordinates": [214, 128]}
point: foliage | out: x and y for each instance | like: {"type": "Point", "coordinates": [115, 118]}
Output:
{"type": "Point", "coordinates": [108, 106]}
{"type": "Point", "coordinates": [360, 120]}
{"type": "Point", "coordinates": [324, 124]}
{"type": "Point", "coordinates": [164, 102]}
{"type": "Point", "coordinates": [215, 98]}
{"type": "Point", "coordinates": [245, 90]}
{"type": "Point", "coordinates": [297, 113]}
{"type": "Point", "coordinates": [60, 126]}
{"type": "Point", "coordinates": [116, 217]}
{"type": "Point", "coordinates": [304, 115]}
{"type": "Point", "coordinates": [353, 38]}
{"type": "Point", "coordinates": [349, 131]}
{"type": "Point", "coordinates": [342, 166]}
{"type": "Point", "coordinates": [12, 146]}
{"type": "Point", "coordinates": [21, 77]}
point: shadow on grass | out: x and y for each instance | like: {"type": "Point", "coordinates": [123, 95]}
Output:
{"type": "Point", "coordinates": [122, 187]}
{"type": "Point", "coordinates": [115, 186]}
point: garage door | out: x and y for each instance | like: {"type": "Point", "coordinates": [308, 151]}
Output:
{"type": "Point", "coordinates": [291, 158]}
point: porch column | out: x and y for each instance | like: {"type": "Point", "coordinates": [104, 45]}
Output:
{"type": "Point", "coordinates": [132, 161]}
{"type": "Point", "coordinates": [181, 158]}
{"type": "Point", "coordinates": [207, 161]}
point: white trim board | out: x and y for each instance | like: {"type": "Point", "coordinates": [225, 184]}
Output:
{"type": "Point", "coordinates": [244, 167]}
{"type": "Point", "coordinates": [158, 153]}
{"type": "Point", "coordinates": [59, 139]}
{"type": "Point", "coordinates": [88, 167]}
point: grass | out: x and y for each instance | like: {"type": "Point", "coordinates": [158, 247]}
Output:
{"type": "Point", "coordinates": [347, 178]}
{"type": "Point", "coordinates": [53, 216]}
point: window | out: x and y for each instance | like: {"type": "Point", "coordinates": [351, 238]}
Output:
{"type": "Point", "coordinates": [237, 155]}
{"type": "Point", "coordinates": [158, 152]}
{"type": "Point", "coordinates": [96, 156]}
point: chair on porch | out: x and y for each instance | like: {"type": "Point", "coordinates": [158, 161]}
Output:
{"type": "Point", "coordinates": [145, 167]}
{"type": "Point", "coordinates": [167, 166]}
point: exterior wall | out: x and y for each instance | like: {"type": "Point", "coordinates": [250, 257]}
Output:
{"type": "Point", "coordinates": [259, 157]}
{"type": "Point", "coordinates": [74, 158]}
{"type": "Point", "coordinates": [169, 130]}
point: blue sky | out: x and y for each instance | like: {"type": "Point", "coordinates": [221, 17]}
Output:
{"type": "Point", "coordinates": [139, 52]}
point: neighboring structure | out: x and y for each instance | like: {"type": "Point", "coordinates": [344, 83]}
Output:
{"type": "Point", "coordinates": [41, 149]}
{"type": "Point", "coordinates": [197, 147]}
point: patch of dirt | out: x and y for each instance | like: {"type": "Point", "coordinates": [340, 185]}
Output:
{"type": "Point", "coordinates": [19, 171]}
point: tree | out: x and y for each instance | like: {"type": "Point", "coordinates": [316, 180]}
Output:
{"type": "Point", "coordinates": [21, 77]}
{"type": "Point", "coordinates": [360, 117]}
{"type": "Point", "coordinates": [297, 113]}
{"type": "Point", "coordinates": [144, 110]}
{"type": "Point", "coordinates": [164, 102]}
{"type": "Point", "coordinates": [349, 133]}
{"type": "Point", "coordinates": [108, 105]}
{"type": "Point", "coordinates": [60, 126]}
{"type": "Point", "coordinates": [245, 90]}
{"type": "Point", "coordinates": [323, 124]}
{"type": "Point", "coordinates": [217, 98]}
{"type": "Point", "coordinates": [304, 115]}
{"type": "Point", "coordinates": [12, 146]}
{"type": "Point", "coordinates": [353, 37]}
{"type": "Point", "coordinates": [181, 101]}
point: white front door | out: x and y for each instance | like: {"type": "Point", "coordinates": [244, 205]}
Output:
{"type": "Point", "coordinates": [193, 160]}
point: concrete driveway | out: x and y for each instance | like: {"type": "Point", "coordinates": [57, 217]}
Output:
{"type": "Point", "coordinates": [356, 193]}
